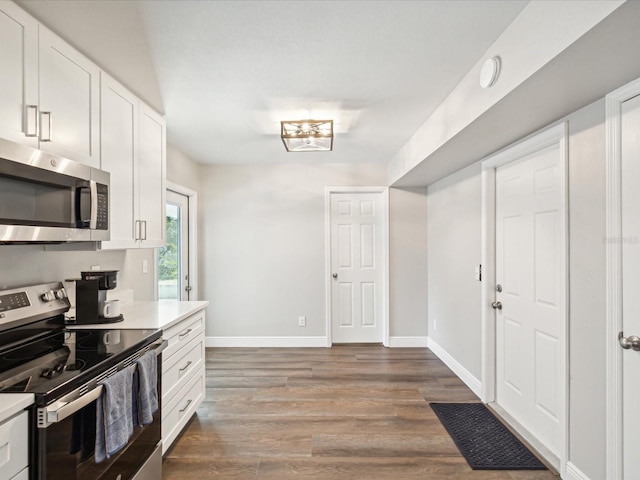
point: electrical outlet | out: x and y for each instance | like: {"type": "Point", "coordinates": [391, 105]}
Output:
{"type": "Point", "coordinates": [145, 266]}
{"type": "Point", "coordinates": [302, 321]}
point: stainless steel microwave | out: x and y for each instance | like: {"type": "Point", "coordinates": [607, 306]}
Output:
{"type": "Point", "coordinates": [45, 198]}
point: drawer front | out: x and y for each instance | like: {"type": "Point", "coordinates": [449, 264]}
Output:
{"type": "Point", "coordinates": [179, 335]}
{"type": "Point", "coordinates": [180, 409]}
{"type": "Point", "coordinates": [178, 368]}
{"type": "Point", "coordinates": [14, 445]}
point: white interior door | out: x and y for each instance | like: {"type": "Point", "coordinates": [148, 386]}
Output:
{"type": "Point", "coordinates": [357, 267]}
{"type": "Point", "coordinates": [531, 286]}
{"type": "Point", "coordinates": [630, 242]}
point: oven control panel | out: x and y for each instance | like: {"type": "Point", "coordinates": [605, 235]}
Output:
{"type": "Point", "coordinates": [13, 301]}
{"type": "Point", "coordinates": [20, 305]}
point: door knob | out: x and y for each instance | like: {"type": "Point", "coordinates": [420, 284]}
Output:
{"type": "Point", "coordinates": [632, 342]}
{"type": "Point", "coordinates": [496, 305]}
{"type": "Point", "coordinates": [335, 275]}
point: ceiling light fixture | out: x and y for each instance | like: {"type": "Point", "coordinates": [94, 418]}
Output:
{"type": "Point", "coordinates": [307, 135]}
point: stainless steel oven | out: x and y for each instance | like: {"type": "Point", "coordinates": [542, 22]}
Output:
{"type": "Point", "coordinates": [64, 369]}
{"type": "Point", "coordinates": [45, 198]}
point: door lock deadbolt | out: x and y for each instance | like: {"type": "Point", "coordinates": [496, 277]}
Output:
{"type": "Point", "coordinates": [498, 288]}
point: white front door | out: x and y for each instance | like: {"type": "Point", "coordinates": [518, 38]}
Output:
{"type": "Point", "coordinates": [530, 285]}
{"type": "Point", "coordinates": [630, 242]}
{"type": "Point", "coordinates": [357, 267]}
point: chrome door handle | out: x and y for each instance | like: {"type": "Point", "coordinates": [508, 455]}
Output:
{"type": "Point", "coordinates": [632, 342]}
{"type": "Point", "coordinates": [137, 230]}
{"type": "Point", "coordinates": [45, 131]}
{"type": "Point", "coordinates": [31, 121]}
{"type": "Point", "coordinates": [496, 305]}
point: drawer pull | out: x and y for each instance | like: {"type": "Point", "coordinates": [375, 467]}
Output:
{"type": "Point", "coordinates": [186, 406]}
{"type": "Point", "coordinates": [185, 367]}
{"type": "Point", "coordinates": [185, 333]}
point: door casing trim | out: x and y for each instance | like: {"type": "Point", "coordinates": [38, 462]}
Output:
{"type": "Point", "coordinates": [613, 147]}
{"type": "Point", "coordinates": [557, 134]}
{"type": "Point", "coordinates": [384, 191]}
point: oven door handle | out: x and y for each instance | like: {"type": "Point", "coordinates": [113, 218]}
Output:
{"type": "Point", "coordinates": [58, 411]}
{"type": "Point", "coordinates": [161, 346]}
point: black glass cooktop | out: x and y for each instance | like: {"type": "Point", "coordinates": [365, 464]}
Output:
{"type": "Point", "coordinates": [52, 360]}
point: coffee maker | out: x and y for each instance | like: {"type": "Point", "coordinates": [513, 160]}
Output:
{"type": "Point", "coordinates": [91, 298]}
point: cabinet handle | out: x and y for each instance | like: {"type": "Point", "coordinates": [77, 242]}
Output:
{"type": "Point", "coordinates": [31, 121]}
{"type": "Point", "coordinates": [136, 230]}
{"type": "Point", "coordinates": [46, 127]}
{"type": "Point", "coordinates": [186, 406]}
{"type": "Point", "coordinates": [184, 368]}
{"type": "Point", "coordinates": [185, 333]}
{"type": "Point", "coordinates": [144, 237]}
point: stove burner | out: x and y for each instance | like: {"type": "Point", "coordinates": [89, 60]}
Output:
{"type": "Point", "coordinates": [29, 353]}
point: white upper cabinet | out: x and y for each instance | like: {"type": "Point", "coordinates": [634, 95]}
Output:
{"type": "Point", "coordinates": [69, 101]}
{"type": "Point", "coordinates": [133, 150]}
{"type": "Point", "coordinates": [119, 132]}
{"type": "Point", "coordinates": [18, 75]}
{"type": "Point", "coordinates": [151, 177]}
{"type": "Point", "coordinates": [49, 92]}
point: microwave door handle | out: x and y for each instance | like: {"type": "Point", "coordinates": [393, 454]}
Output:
{"type": "Point", "coordinates": [81, 200]}
{"type": "Point", "coordinates": [93, 223]}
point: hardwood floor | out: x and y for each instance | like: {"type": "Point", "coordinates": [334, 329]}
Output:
{"type": "Point", "coordinates": [347, 412]}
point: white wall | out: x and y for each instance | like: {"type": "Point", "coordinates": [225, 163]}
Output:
{"type": "Point", "coordinates": [263, 251]}
{"type": "Point", "coordinates": [453, 246]}
{"type": "Point", "coordinates": [587, 272]}
{"type": "Point", "coordinates": [31, 264]}
{"type": "Point", "coordinates": [408, 266]}
{"type": "Point", "coordinates": [182, 170]}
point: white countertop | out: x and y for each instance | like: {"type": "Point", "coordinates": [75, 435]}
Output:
{"type": "Point", "coordinates": [12, 403]}
{"type": "Point", "coordinates": [150, 315]}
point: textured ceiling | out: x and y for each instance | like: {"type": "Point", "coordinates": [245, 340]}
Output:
{"type": "Point", "coordinates": [226, 72]}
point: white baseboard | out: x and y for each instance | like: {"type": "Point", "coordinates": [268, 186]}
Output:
{"type": "Point", "coordinates": [472, 382]}
{"type": "Point", "coordinates": [266, 341]}
{"type": "Point", "coordinates": [574, 473]}
{"type": "Point", "coordinates": [408, 342]}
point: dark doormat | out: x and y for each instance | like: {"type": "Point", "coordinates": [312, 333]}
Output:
{"type": "Point", "coordinates": [483, 440]}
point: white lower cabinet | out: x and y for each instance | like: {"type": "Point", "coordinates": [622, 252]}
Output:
{"type": "Point", "coordinates": [183, 377]}
{"type": "Point", "coordinates": [14, 448]}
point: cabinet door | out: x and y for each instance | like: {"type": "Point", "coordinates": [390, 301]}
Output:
{"type": "Point", "coordinates": [152, 177]}
{"type": "Point", "coordinates": [69, 92]}
{"type": "Point", "coordinates": [18, 74]}
{"type": "Point", "coordinates": [119, 156]}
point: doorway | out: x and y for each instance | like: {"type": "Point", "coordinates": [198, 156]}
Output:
{"type": "Point", "coordinates": [623, 265]}
{"type": "Point", "coordinates": [357, 264]}
{"type": "Point", "coordinates": [176, 263]}
{"type": "Point", "coordinates": [524, 324]}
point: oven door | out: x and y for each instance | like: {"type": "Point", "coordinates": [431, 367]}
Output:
{"type": "Point", "coordinates": [66, 446]}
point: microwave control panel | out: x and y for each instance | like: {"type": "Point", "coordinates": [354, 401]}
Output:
{"type": "Point", "coordinates": [102, 222]}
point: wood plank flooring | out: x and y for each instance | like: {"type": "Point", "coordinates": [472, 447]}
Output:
{"type": "Point", "coordinates": [347, 412]}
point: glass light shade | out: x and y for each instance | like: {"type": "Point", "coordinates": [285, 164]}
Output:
{"type": "Point", "coordinates": [307, 135]}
